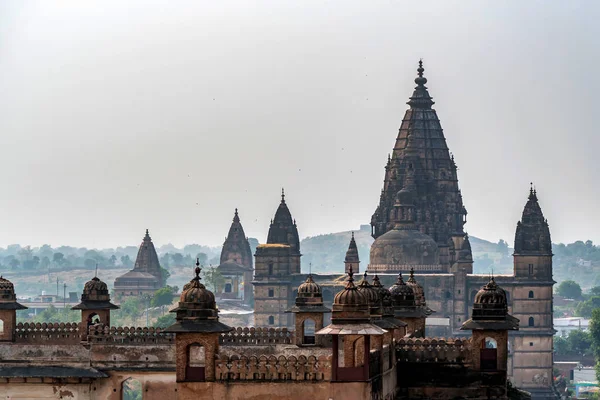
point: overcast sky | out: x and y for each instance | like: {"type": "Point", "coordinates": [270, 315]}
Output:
{"type": "Point", "coordinates": [117, 116]}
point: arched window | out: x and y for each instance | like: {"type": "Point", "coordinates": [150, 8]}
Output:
{"type": "Point", "coordinates": [270, 268]}
{"type": "Point", "coordinates": [1, 326]}
{"type": "Point", "coordinates": [271, 320]}
{"type": "Point", "coordinates": [448, 295]}
{"type": "Point", "coordinates": [131, 389]}
{"type": "Point", "coordinates": [196, 363]}
{"type": "Point", "coordinates": [93, 319]}
{"type": "Point", "coordinates": [531, 294]}
{"type": "Point", "coordinates": [228, 288]}
{"type": "Point", "coordinates": [271, 292]}
{"type": "Point", "coordinates": [531, 321]}
{"type": "Point", "coordinates": [309, 332]}
{"type": "Point", "coordinates": [489, 354]}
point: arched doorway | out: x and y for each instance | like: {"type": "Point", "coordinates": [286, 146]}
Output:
{"type": "Point", "coordinates": [309, 331]}
{"type": "Point", "coordinates": [131, 389]}
{"type": "Point", "coordinates": [228, 288]}
{"type": "Point", "coordinates": [489, 354]}
{"type": "Point", "coordinates": [196, 363]}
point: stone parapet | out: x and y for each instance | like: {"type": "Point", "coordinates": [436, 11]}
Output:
{"type": "Point", "coordinates": [257, 336]}
{"type": "Point", "coordinates": [273, 367]}
{"type": "Point", "coordinates": [372, 268]}
{"type": "Point", "coordinates": [130, 335]}
{"type": "Point", "coordinates": [47, 333]}
{"type": "Point", "coordinates": [443, 350]}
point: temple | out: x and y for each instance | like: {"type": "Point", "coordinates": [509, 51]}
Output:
{"type": "Point", "coordinates": [145, 277]}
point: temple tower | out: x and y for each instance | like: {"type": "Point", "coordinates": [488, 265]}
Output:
{"type": "Point", "coordinates": [236, 264]}
{"type": "Point", "coordinates": [421, 150]}
{"type": "Point", "coordinates": [276, 262]}
{"type": "Point", "coordinates": [8, 310]}
{"type": "Point", "coordinates": [145, 277]}
{"type": "Point", "coordinates": [532, 302]}
{"type": "Point", "coordinates": [352, 260]}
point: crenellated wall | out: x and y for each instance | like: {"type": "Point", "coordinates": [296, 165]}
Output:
{"type": "Point", "coordinates": [431, 350]}
{"type": "Point", "coordinates": [48, 333]}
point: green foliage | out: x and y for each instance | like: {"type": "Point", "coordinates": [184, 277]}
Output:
{"type": "Point", "coordinates": [213, 278]}
{"type": "Point", "coordinates": [130, 309]}
{"type": "Point", "coordinates": [53, 314]}
{"type": "Point", "coordinates": [578, 343]}
{"type": "Point", "coordinates": [569, 289]}
{"type": "Point", "coordinates": [162, 297]}
{"type": "Point", "coordinates": [585, 308]}
{"type": "Point", "coordinates": [595, 336]}
{"type": "Point", "coordinates": [561, 346]}
{"type": "Point", "coordinates": [132, 389]}
{"type": "Point", "coordinates": [165, 321]}
{"type": "Point", "coordinates": [165, 274]}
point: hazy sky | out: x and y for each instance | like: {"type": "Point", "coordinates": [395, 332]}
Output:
{"type": "Point", "coordinates": [116, 116]}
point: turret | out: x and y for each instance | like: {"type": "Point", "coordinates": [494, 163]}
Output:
{"type": "Point", "coordinates": [8, 310]}
{"type": "Point", "coordinates": [197, 332]}
{"type": "Point", "coordinates": [95, 304]}
{"type": "Point", "coordinates": [308, 312]}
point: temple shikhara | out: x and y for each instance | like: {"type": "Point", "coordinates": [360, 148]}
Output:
{"type": "Point", "coordinates": [414, 323]}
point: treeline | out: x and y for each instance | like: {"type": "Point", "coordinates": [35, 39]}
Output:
{"type": "Point", "coordinates": [16, 258]}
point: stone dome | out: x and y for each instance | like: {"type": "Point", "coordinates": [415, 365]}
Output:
{"type": "Point", "coordinates": [309, 287]}
{"type": "Point", "coordinates": [350, 296]}
{"type": "Point", "coordinates": [491, 293]}
{"type": "Point", "coordinates": [196, 294]}
{"type": "Point", "coordinates": [7, 290]}
{"type": "Point", "coordinates": [95, 290]}
{"type": "Point", "coordinates": [367, 289]}
{"type": "Point", "coordinates": [402, 295]}
{"type": "Point", "coordinates": [384, 295]}
{"type": "Point", "coordinates": [404, 247]}
{"type": "Point", "coordinates": [490, 303]}
{"type": "Point", "coordinates": [405, 196]}
{"type": "Point", "coordinates": [417, 289]}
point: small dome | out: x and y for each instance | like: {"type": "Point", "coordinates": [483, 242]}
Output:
{"type": "Point", "coordinates": [402, 295]}
{"type": "Point", "coordinates": [350, 296]}
{"type": "Point", "coordinates": [384, 295]}
{"type": "Point", "coordinates": [366, 288]}
{"type": "Point", "coordinates": [490, 302]}
{"type": "Point", "coordinates": [491, 293]}
{"type": "Point", "coordinates": [196, 294]}
{"type": "Point", "coordinates": [7, 290]}
{"type": "Point", "coordinates": [309, 287]}
{"type": "Point", "coordinates": [404, 247]}
{"type": "Point", "coordinates": [417, 289]}
{"type": "Point", "coordinates": [95, 290]}
{"type": "Point", "coordinates": [405, 197]}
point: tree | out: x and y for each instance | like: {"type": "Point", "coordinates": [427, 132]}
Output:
{"type": "Point", "coordinates": [585, 308]}
{"type": "Point", "coordinates": [202, 257]}
{"type": "Point", "coordinates": [214, 279]}
{"type": "Point", "coordinates": [14, 263]}
{"type": "Point", "coordinates": [569, 289]}
{"type": "Point", "coordinates": [162, 297]}
{"type": "Point", "coordinates": [580, 342]}
{"type": "Point", "coordinates": [502, 248]}
{"type": "Point", "coordinates": [561, 346]}
{"type": "Point", "coordinates": [165, 321]}
{"type": "Point", "coordinates": [164, 275]}
{"type": "Point", "coordinates": [126, 261]}
{"type": "Point", "coordinates": [165, 260]}
{"type": "Point", "coordinates": [58, 258]}
{"type": "Point", "coordinates": [112, 261]}
{"type": "Point", "coordinates": [177, 259]}
{"type": "Point", "coordinates": [45, 262]}
{"type": "Point", "coordinates": [595, 337]}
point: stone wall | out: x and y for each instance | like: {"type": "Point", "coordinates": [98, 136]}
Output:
{"type": "Point", "coordinates": [453, 350]}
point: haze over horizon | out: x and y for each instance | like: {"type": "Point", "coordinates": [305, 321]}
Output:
{"type": "Point", "coordinates": [153, 115]}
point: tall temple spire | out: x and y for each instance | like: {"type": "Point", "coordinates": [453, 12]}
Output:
{"type": "Point", "coordinates": [352, 261]}
{"type": "Point", "coordinates": [421, 163]}
{"type": "Point", "coordinates": [533, 233]}
{"type": "Point", "coordinates": [236, 247]}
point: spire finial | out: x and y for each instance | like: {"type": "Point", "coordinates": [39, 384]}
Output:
{"type": "Point", "coordinates": [400, 280]}
{"type": "Point", "coordinates": [236, 212]}
{"type": "Point", "coordinates": [420, 70]}
{"type": "Point", "coordinates": [197, 270]}
{"type": "Point", "coordinates": [96, 274]}
{"type": "Point", "coordinates": [352, 235]}
{"type": "Point", "coordinates": [309, 268]}
{"type": "Point", "coordinates": [282, 195]}
{"type": "Point", "coordinates": [350, 274]}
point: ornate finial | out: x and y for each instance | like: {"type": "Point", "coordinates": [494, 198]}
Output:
{"type": "Point", "coordinates": [352, 235]}
{"type": "Point", "coordinates": [420, 70]}
{"type": "Point", "coordinates": [400, 280]}
{"type": "Point", "coordinates": [96, 274]}
{"type": "Point", "coordinates": [376, 281]}
{"type": "Point", "coordinates": [282, 195]}
{"type": "Point", "coordinates": [236, 212]}
{"type": "Point", "coordinates": [350, 274]}
{"type": "Point", "coordinates": [197, 270]}
{"type": "Point", "coordinates": [147, 237]}
{"type": "Point", "coordinates": [309, 269]}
